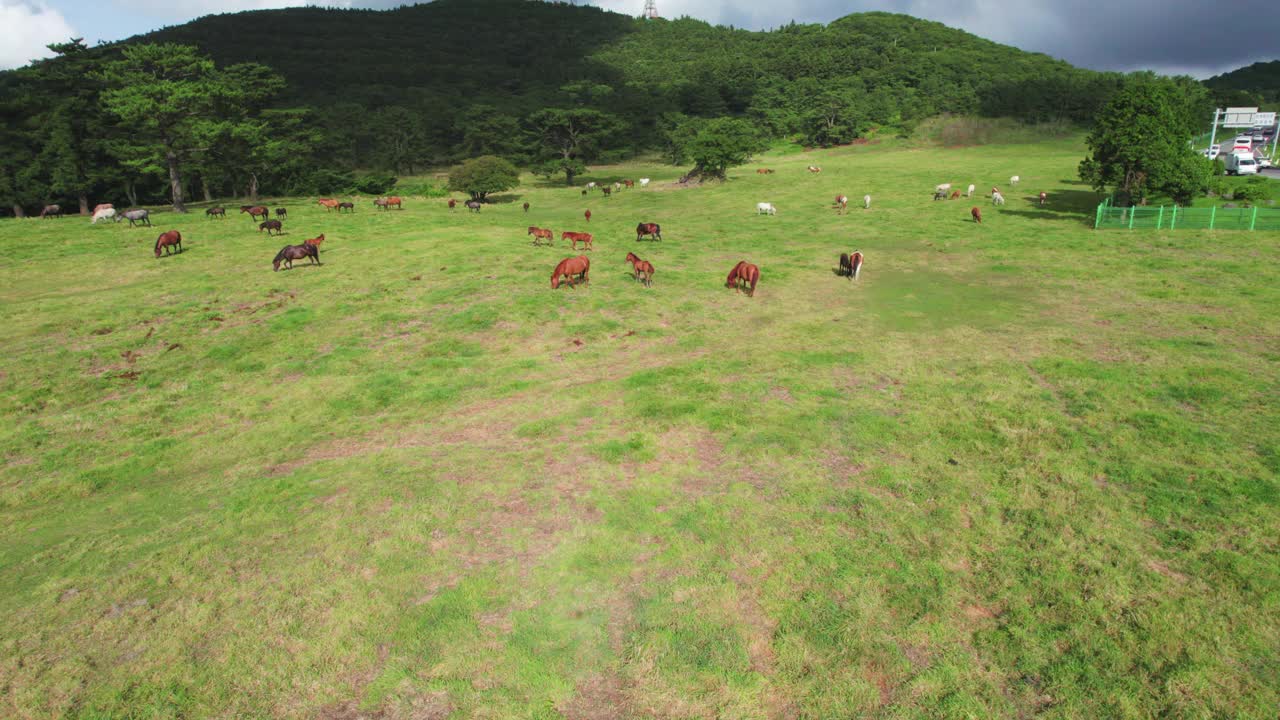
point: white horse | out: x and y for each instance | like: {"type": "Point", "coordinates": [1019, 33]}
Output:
{"type": "Point", "coordinates": [766, 208]}
{"type": "Point", "coordinates": [591, 186]}
{"type": "Point", "coordinates": [944, 187]}
{"type": "Point", "coordinates": [997, 198]}
{"type": "Point", "coordinates": [866, 202]}
{"type": "Point", "coordinates": [1014, 180]}
{"type": "Point", "coordinates": [644, 182]}
{"type": "Point", "coordinates": [103, 214]}
{"type": "Point", "coordinates": [970, 192]}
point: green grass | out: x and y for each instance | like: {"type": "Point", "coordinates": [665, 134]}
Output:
{"type": "Point", "coordinates": [1019, 468]}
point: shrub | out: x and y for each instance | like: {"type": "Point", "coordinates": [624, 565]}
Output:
{"type": "Point", "coordinates": [375, 184]}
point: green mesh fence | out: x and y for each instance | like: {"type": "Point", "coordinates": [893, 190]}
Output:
{"type": "Point", "coordinates": [1180, 218]}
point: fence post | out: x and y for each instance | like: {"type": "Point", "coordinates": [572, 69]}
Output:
{"type": "Point", "coordinates": [1097, 217]}
{"type": "Point", "coordinates": [1133, 212]}
{"type": "Point", "coordinates": [1160, 217]}
{"type": "Point", "coordinates": [1213, 211]}
{"type": "Point", "coordinates": [1254, 220]}
{"type": "Point", "coordinates": [1173, 221]}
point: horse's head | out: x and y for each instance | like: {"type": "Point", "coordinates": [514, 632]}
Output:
{"type": "Point", "coordinates": [555, 278]}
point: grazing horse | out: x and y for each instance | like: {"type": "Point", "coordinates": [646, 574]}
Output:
{"type": "Point", "coordinates": [255, 210]}
{"type": "Point", "coordinates": [842, 203]}
{"type": "Point", "coordinates": [969, 193]}
{"type": "Point", "coordinates": [576, 237]}
{"type": "Point", "coordinates": [1044, 198]}
{"type": "Point", "coordinates": [329, 203]}
{"type": "Point", "coordinates": [51, 211]}
{"type": "Point", "coordinates": [629, 183]}
{"type": "Point", "coordinates": [939, 194]}
{"type": "Point", "coordinates": [526, 207]}
{"type": "Point", "coordinates": [766, 208]}
{"type": "Point", "coordinates": [866, 202]}
{"type": "Point", "coordinates": [289, 253]}
{"type": "Point", "coordinates": [644, 182]}
{"type": "Point", "coordinates": [997, 198]}
{"type": "Point", "coordinates": [764, 171]}
{"type": "Point", "coordinates": [138, 216]}
{"type": "Point", "coordinates": [282, 213]}
{"type": "Point", "coordinates": [216, 212]}
{"type": "Point", "coordinates": [587, 215]}
{"type": "Point", "coordinates": [388, 202]}
{"type": "Point", "coordinates": [540, 234]}
{"type": "Point", "coordinates": [107, 213]}
{"type": "Point", "coordinates": [851, 265]}
{"type": "Point", "coordinates": [943, 188]}
{"type": "Point", "coordinates": [1014, 180]}
{"type": "Point", "coordinates": [815, 169]}
{"type": "Point", "coordinates": [315, 240]}
{"type": "Point", "coordinates": [571, 268]}
{"type": "Point", "coordinates": [608, 191]}
{"type": "Point", "coordinates": [617, 186]}
{"type": "Point", "coordinates": [348, 206]}
{"type": "Point", "coordinates": [641, 269]}
{"type": "Point", "coordinates": [102, 206]}
{"type": "Point", "coordinates": [171, 239]}
{"type": "Point", "coordinates": [452, 203]}
{"type": "Point", "coordinates": [977, 214]}
{"type": "Point", "coordinates": [653, 230]}
{"type": "Point", "coordinates": [473, 205]}
{"type": "Point", "coordinates": [591, 186]}
{"type": "Point", "coordinates": [744, 274]}
{"type": "Point", "coordinates": [955, 194]}
{"type": "Point", "coordinates": [270, 225]}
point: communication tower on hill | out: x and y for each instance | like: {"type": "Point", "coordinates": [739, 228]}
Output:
{"type": "Point", "coordinates": [650, 9]}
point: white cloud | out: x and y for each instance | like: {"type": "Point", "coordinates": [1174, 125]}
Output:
{"type": "Point", "coordinates": [194, 8]}
{"type": "Point", "coordinates": [25, 28]}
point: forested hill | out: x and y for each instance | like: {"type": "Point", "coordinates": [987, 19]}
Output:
{"type": "Point", "coordinates": [1259, 83]}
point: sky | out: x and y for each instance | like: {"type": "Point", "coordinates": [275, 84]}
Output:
{"type": "Point", "coordinates": [1190, 37]}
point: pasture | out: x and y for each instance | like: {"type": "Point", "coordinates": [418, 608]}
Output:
{"type": "Point", "coordinates": [1016, 469]}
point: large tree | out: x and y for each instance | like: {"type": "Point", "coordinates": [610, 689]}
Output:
{"type": "Point", "coordinates": [1140, 141]}
{"type": "Point", "coordinates": [713, 146]}
{"type": "Point", "coordinates": [567, 139]}
{"type": "Point", "coordinates": [175, 101]}
{"type": "Point", "coordinates": [481, 176]}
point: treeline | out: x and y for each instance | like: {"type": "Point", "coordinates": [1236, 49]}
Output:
{"type": "Point", "coordinates": [311, 100]}
{"type": "Point", "coordinates": [1252, 86]}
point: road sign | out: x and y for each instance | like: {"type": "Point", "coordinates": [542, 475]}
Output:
{"type": "Point", "coordinates": [1264, 119]}
{"type": "Point", "coordinates": [1240, 116]}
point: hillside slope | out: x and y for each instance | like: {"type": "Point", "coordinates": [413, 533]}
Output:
{"type": "Point", "coordinates": [1260, 78]}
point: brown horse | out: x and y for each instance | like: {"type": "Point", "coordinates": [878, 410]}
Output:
{"type": "Point", "coordinates": [51, 211]}
{"type": "Point", "coordinates": [1044, 199]}
{"type": "Point", "coordinates": [744, 274]}
{"type": "Point", "coordinates": [540, 234]}
{"type": "Point", "coordinates": [608, 191]}
{"type": "Point", "coordinates": [576, 237]}
{"type": "Point", "coordinates": [329, 203]}
{"type": "Point", "coordinates": [764, 171]}
{"type": "Point", "coordinates": [642, 269]}
{"type": "Point", "coordinates": [571, 268]}
{"type": "Point", "coordinates": [815, 169]}
{"type": "Point", "coordinates": [289, 253]}
{"type": "Point", "coordinates": [171, 239]}
{"type": "Point", "coordinates": [629, 183]}
{"type": "Point", "coordinates": [526, 207]}
{"type": "Point", "coordinates": [315, 240]}
{"type": "Point", "coordinates": [270, 225]}
{"type": "Point", "coordinates": [977, 215]}
{"type": "Point", "coordinates": [388, 203]}
{"type": "Point", "coordinates": [653, 230]}
{"type": "Point", "coordinates": [452, 203]}
{"type": "Point", "coordinates": [955, 194]}
{"type": "Point", "coordinates": [587, 215]}
{"type": "Point", "coordinates": [348, 206]}
{"type": "Point", "coordinates": [216, 212]}
{"type": "Point", "coordinates": [255, 210]}
{"type": "Point", "coordinates": [851, 265]}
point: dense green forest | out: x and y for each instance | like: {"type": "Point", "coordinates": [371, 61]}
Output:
{"type": "Point", "coordinates": [1256, 84]}
{"type": "Point", "coordinates": [312, 100]}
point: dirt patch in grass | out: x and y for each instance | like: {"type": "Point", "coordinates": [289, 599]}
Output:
{"type": "Point", "coordinates": [758, 626]}
{"type": "Point", "coordinates": [1166, 571]}
{"type": "Point", "coordinates": [600, 696]}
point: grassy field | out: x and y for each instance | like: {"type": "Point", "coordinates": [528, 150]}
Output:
{"type": "Point", "coordinates": [1018, 469]}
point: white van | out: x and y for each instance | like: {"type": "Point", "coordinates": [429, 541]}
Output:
{"type": "Point", "coordinates": [1241, 164]}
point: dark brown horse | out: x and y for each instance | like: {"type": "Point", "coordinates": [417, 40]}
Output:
{"type": "Point", "coordinates": [255, 210]}
{"type": "Point", "coordinates": [653, 230]}
{"type": "Point", "coordinates": [51, 211]}
{"type": "Point", "coordinates": [169, 240]}
{"type": "Point", "coordinates": [526, 207]}
{"type": "Point", "coordinates": [642, 269]}
{"type": "Point", "coordinates": [977, 215]}
{"type": "Point", "coordinates": [329, 203]}
{"type": "Point", "coordinates": [571, 268]}
{"type": "Point", "coordinates": [851, 265]}
{"type": "Point", "coordinates": [289, 253]}
{"type": "Point", "coordinates": [270, 225]}
{"type": "Point", "coordinates": [282, 213]}
{"type": "Point", "coordinates": [452, 203]}
{"type": "Point", "coordinates": [348, 206]}
{"type": "Point", "coordinates": [540, 234]}
{"type": "Point", "coordinates": [587, 215]}
{"type": "Point", "coordinates": [576, 237]}
{"type": "Point", "coordinates": [216, 212]}
{"type": "Point", "coordinates": [608, 191]}
{"type": "Point", "coordinates": [473, 205]}
{"type": "Point", "coordinates": [744, 274]}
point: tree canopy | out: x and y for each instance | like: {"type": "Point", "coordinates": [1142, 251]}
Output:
{"type": "Point", "coordinates": [482, 176]}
